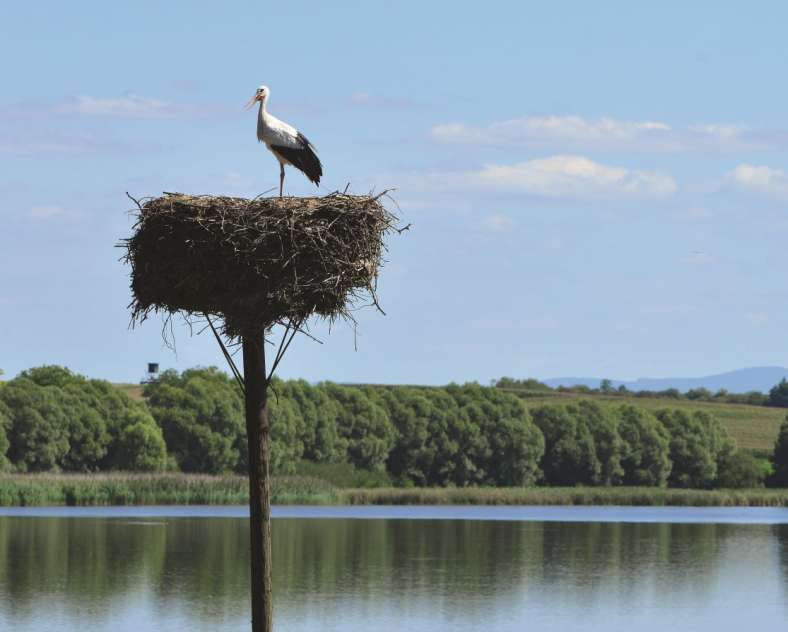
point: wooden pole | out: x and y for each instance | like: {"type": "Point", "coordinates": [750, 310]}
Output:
{"type": "Point", "coordinates": [257, 434]}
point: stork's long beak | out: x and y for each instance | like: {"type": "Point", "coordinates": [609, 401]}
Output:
{"type": "Point", "coordinates": [251, 103]}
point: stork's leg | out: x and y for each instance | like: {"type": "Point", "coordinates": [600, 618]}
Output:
{"type": "Point", "coordinates": [281, 177]}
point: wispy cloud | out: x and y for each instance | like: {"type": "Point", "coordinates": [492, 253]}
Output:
{"type": "Point", "coordinates": [573, 177]}
{"type": "Point", "coordinates": [380, 101]}
{"type": "Point", "coordinates": [57, 143]}
{"type": "Point", "coordinates": [757, 319]}
{"type": "Point", "coordinates": [760, 179]}
{"type": "Point", "coordinates": [128, 106]}
{"type": "Point", "coordinates": [48, 212]}
{"type": "Point", "coordinates": [692, 214]}
{"type": "Point", "coordinates": [698, 259]}
{"type": "Point", "coordinates": [498, 222]}
{"type": "Point", "coordinates": [609, 134]}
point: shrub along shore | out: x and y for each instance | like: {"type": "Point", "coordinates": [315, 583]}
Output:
{"type": "Point", "coordinates": [453, 437]}
{"type": "Point", "coordinates": [120, 488]}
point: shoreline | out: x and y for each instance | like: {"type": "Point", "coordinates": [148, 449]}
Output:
{"type": "Point", "coordinates": [127, 489]}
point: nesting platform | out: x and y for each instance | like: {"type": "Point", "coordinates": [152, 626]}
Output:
{"type": "Point", "coordinates": [256, 262]}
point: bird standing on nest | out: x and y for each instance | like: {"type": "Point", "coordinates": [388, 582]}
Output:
{"type": "Point", "coordinates": [285, 142]}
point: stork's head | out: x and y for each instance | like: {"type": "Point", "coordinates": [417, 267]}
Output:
{"type": "Point", "coordinates": [260, 95]}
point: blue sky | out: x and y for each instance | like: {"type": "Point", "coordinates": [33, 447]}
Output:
{"type": "Point", "coordinates": [595, 188]}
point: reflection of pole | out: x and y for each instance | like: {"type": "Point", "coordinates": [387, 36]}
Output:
{"type": "Point", "coordinates": [257, 434]}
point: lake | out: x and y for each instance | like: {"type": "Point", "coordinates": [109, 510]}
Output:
{"type": "Point", "coordinates": [406, 568]}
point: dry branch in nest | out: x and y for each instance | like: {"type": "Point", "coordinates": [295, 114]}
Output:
{"type": "Point", "coordinates": [255, 263]}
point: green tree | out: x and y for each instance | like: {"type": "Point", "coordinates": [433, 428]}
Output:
{"type": "Point", "coordinates": [50, 375]}
{"type": "Point", "coordinates": [38, 433]}
{"type": "Point", "coordinates": [286, 445]}
{"type": "Point", "coordinates": [500, 444]}
{"type": "Point", "coordinates": [779, 478]}
{"type": "Point", "coordinates": [778, 395]}
{"type": "Point", "coordinates": [411, 458]}
{"type": "Point", "coordinates": [201, 416]}
{"type": "Point", "coordinates": [700, 394]}
{"type": "Point", "coordinates": [697, 441]}
{"type": "Point", "coordinates": [141, 447]}
{"type": "Point", "coordinates": [317, 421]}
{"type": "Point", "coordinates": [603, 426]}
{"type": "Point", "coordinates": [365, 426]}
{"type": "Point", "coordinates": [738, 469]}
{"type": "Point", "coordinates": [87, 430]}
{"type": "Point", "coordinates": [5, 424]}
{"type": "Point", "coordinates": [646, 448]}
{"type": "Point", "coordinates": [570, 453]}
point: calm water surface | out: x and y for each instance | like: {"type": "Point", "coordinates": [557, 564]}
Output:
{"type": "Point", "coordinates": [405, 568]}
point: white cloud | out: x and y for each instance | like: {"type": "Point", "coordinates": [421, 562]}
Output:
{"type": "Point", "coordinates": [608, 134]}
{"type": "Point", "coordinates": [129, 106]}
{"type": "Point", "coordinates": [374, 100]}
{"type": "Point", "coordinates": [692, 214]}
{"type": "Point", "coordinates": [699, 259]}
{"type": "Point", "coordinates": [757, 319]}
{"type": "Point", "coordinates": [573, 177]}
{"type": "Point", "coordinates": [498, 222]}
{"type": "Point", "coordinates": [44, 141]}
{"type": "Point", "coordinates": [47, 212]}
{"type": "Point", "coordinates": [760, 179]}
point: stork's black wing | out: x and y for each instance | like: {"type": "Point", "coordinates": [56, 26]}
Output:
{"type": "Point", "coordinates": [302, 158]}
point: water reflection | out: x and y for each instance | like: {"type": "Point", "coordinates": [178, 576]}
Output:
{"type": "Point", "coordinates": [351, 574]}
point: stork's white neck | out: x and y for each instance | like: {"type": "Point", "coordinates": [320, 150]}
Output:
{"type": "Point", "coordinates": [263, 111]}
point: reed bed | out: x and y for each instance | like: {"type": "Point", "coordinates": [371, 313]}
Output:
{"type": "Point", "coordinates": [622, 496]}
{"type": "Point", "coordinates": [120, 488]}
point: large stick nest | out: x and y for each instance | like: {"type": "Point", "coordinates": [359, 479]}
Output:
{"type": "Point", "coordinates": [255, 263]}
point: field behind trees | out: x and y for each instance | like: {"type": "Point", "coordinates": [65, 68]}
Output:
{"type": "Point", "coordinates": [752, 427]}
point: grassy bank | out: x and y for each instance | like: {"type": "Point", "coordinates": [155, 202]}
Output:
{"type": "Point", "coordinates": [622, 496]}
{"type": "Point", "coordinates": [186, 489]}
{"type": "Point", "coordinates": [153, 489]}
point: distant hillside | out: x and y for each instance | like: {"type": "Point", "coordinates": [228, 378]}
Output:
{"type": "Point", "coordinates": [760, 378]}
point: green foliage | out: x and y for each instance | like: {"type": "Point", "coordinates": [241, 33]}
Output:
{"type": "Point", "coordinates": [201, 416]}
{"type": "Point", "coordinates": [646, 448]}
{"type": "Point", "coordinates": [778, 395]}
{"type": "Point", "coordinates": [286, 445]}
{"type": "Point", "coordinates": [38, 432]}
{"type": "Point", "coordinates": [87, 430]}
{"type": "Point", "coordinates": [342, 475]}
{"type": "Point", "coordinates": [779, 477]}
{"type": "Point", "coordinates": [457, 436]}
{"type": "Point", "coordinates": [5, 424]}
{"type": "Point", "coordinates": [738, 469]}
{"type": "Point", "coordinates": [529, 384]}
{"type": "Point", "coordinates": [141, 448]}
{"type": "Point", "coordinates": [570, 452]}
{"type": "Point", "coordinates": [500, 440]}
{"type": "Point", "coordinates": [603, 426]}
{"type": "Point", "coordinates": [364, 425]}
{"type": "Point", "coordinates": [697, 443]}
{"type": "Point", "coordinates": [317, 420]}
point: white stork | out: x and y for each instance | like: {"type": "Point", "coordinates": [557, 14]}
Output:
{"type": "Point", "coordinates": [286, 143]}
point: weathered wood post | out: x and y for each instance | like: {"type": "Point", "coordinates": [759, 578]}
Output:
{"type": "Point", "coordinates": [255, 264]}
{"type": "Point", "coordinates": [257, 434]}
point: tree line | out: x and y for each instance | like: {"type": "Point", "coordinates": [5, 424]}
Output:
{"type": "Point", "coordinates": [458, 435]}
{"type": "Point", "coordinates": [530, 387]}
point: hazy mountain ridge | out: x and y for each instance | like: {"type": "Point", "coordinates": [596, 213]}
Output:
{"type": "Point", "coordinates": [738, 381]}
